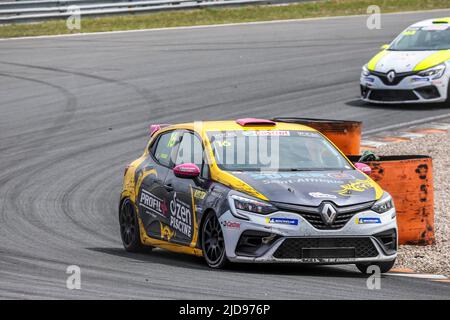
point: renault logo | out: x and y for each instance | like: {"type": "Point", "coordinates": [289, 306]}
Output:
{"type": "Point", "coordinates": [328, 213]}
{"type": "Point", "coordinates": [391, 76]}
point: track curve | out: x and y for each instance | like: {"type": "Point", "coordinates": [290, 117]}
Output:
{"type": "Point", "coordinates": [75, 111]}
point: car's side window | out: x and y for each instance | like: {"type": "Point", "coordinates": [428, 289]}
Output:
{"type": "Point", "coordinates": [191, 151]}
{"type": "Point", "coordinates": [164, 148]}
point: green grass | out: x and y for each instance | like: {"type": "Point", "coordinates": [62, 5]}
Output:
{"type": "Point", "coordinates": [220, 16]}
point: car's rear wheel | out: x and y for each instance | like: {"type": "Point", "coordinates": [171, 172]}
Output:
{"type": "Point", "coordinates": [129, 227]}
{"type": "Point", "coordinates": [384, 266]}
{"type": "Point", "coordinates": [213, 244]}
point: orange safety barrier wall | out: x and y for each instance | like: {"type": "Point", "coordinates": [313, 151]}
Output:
{"type": "Point", "coordinates": [409, 179]}
{"type": "Point", "coordinates": [346, 135]}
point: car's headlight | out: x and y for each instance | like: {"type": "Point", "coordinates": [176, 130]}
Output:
{"type": "Point", "coordinates": [365, 71]}
{"type": "Point", "coordinates": [435, 72]}
{"type": "Point", "coordinates": [384, 204]}
{"type": "Point", "coordinates": [251, 205]}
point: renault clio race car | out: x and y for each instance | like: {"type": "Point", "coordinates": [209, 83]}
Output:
{"type": "Point", "coordinates": [255, 191]}
{"type": "Point", "coordinates": [414, 68]}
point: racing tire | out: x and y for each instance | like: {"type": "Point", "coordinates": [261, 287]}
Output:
{"type": "Point", "coordinates": [129, 228]}
{"type": "Point", "coordinates": [447, 102]}
{"type": "Point", "coordinates": [213, 244]}
{"type": "Point", "coordinates": [384, 266]}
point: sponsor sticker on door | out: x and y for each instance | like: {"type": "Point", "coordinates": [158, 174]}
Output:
{"type": "Point", "coordinates": [181, 216]}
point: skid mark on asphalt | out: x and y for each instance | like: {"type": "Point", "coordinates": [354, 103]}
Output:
{"type": "Point", "coordinates": [62, 120]}
{"type": "Point", "coordinates": [146, 95]}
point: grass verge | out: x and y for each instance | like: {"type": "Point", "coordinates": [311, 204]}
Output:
{"type": "Point", "coordinates": [220, 16]}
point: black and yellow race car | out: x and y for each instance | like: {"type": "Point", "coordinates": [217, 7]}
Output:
{"type": "Point", "coordinates": [255, 190]}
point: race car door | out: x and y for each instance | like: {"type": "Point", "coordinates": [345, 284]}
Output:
{"type": "Point", "coordinates": [186, 199]}
{"type": "Point", "coordinates": [153, 194]}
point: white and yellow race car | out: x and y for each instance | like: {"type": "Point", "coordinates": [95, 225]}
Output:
{"type": "Point", "coordinates": [414, 68]}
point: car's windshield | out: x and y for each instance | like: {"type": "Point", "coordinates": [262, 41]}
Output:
{"type": "Point", "coordinates": [435, 37]}
{"type": "Point", "coordinates": [256, 150]}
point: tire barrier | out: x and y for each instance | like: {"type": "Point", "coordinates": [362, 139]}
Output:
{"type": "Point", "coordinates": [409, 179]}
{"type": "Point", "coordinates": [346, 135]}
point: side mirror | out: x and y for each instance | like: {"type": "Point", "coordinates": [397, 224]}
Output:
{"type": "Point", "coordinates": [186, 171]}
{"type": "Point", "coordinates": [384, 47]}
{"type": "Point", "coordinates": [364, 168]}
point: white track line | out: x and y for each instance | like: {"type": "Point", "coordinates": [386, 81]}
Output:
{"type": "Point", "coordinates": [419, 276]}
{"type": "Point", "coordinates": [215, 25]}
{"type": "Point", "coordinates": [407, 124]}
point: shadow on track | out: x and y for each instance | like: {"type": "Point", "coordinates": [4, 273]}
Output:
{"type": "Point", "coordinates": [160, 256]}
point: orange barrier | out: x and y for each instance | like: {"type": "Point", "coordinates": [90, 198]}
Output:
{"type": "Point", "coordinates": [346, 135]}
{"type": "Point", "coordinates": [409, 179]}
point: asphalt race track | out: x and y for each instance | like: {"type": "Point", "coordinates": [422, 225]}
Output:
{"type": "Point", "coordinates": [75, 110]}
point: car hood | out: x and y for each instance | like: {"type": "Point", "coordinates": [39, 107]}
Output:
{"type": "Point", "coordinates": [310, 188]}
{"type": "Point", "coordinates": [403, 61]}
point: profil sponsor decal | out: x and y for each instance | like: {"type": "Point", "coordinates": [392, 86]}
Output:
{"type": "Point", "coordinates": [152, 203]}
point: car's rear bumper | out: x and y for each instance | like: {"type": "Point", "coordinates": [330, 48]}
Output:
{"type": "Point", "coordinates": [258, 241]}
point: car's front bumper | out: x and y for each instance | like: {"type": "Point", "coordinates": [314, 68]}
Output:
{"type": "Point", "coordinates": [411, 89]}
{"type": "Point", "coordinates": [301, 242]}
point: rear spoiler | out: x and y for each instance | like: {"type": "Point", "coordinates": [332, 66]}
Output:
{"type": "Point", "coordinates": [156, 127]}
{"type": "Point", "coordinates": [306, 121]}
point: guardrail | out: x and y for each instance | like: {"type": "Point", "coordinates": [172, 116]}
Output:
{"type": "Point", "coordinates": [29, 11]}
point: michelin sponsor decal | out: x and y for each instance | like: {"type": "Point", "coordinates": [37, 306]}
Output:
{"type": "Point", "coordinates": [287, 221]}
{"type": "Point", "coordinates": [368, 220]}
{"type": "Point", "coordinates": [181, 216]}
{"type": "Point", "coordinates": [152, 203]}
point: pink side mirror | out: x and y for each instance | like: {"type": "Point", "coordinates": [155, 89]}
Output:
{"type": "Point", "coordinates": [364, 168]}
{"type": "Point", "coordinates": [186, 170]}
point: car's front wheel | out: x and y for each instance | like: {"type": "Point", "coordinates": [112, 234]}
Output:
{"type": "Point", "coordinates": [129, 227]}
{"type": "Point", "coordinates": [213, 244]}
{"type": "Point", "coordinates": [447, 102]}
{"type": "Point", "coordinates": [384, 266]}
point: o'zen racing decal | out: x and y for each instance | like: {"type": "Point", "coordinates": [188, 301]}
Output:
{"type": "Point", "coordinates": [180, 216]}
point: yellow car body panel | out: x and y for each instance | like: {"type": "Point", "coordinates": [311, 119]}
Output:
{"type": "Point", "coordinates": [433, 60]}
